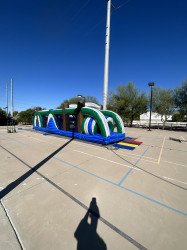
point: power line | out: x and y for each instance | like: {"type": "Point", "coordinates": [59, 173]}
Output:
{"type": "Point", "coordinates": [103, 19]}
{"type": "Point", "coordinates": [121, 5]}
{"type": "Point", "coordinates": [95, 26]}
{"type": "Point", "coordinates": [79, 11]}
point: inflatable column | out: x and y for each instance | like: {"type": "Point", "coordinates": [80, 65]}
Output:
{"type": "Point", "coordinates": [79, 116]}
{"type": "Point", "coordinates": [65, 118]}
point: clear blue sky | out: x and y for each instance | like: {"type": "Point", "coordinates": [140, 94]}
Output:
{"type": "Point", "coordinates": [54, 49]}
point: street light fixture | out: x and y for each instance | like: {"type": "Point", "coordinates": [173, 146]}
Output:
{"type": "Point", "coordinates": [6, 109]}
{"type": "Point", "coordinates": [151, 84]}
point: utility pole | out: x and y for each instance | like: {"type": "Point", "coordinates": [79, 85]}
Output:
{"type": "Point", "coordinates": [12, 101]}
{"type": "Point", "coordinates": [151, 84]}
{"type": "Point", "coordinates": [7, 99]}
{"type": "Point", "coordinates": [107, 48]}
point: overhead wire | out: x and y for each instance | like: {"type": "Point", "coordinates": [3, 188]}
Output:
{"type": "Point", "coordinates": [102, 19]}
{"type": "Point", "coordinates": [93, 27]}
{"type": "Point", "coordinates": [121, 5]}
{"type": "Point", "coordinates": [80, 10]}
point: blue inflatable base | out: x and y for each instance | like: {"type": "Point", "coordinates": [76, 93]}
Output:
{"type": "Point", "coordinates": [114, 137]}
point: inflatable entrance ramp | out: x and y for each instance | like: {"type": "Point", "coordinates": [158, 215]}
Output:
{"type": "Point", "coordinates": [128, 143]}
{"type": "Point", "coordinates": [84, 122]}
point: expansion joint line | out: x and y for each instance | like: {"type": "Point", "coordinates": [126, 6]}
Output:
{"type": "Point", "coordinates": [107, 223]}
{"type": "Point", "coordinates": [12, 225]}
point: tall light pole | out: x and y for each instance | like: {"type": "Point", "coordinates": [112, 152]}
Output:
{"type": "Point", "coordinates": [12, 101]}
{"type": "Point", "coordinates": [107, 47]}
{"type": "Point", "coordinates": [151, 84]}
{"type": "Point", "coordinates": [7, 99]}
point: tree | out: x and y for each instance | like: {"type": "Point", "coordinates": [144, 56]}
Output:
{"type": "Point", "coordinates": [128, 102]}
{"type": "Point", "coordinates": [163, 103]}
{"type": "Point", "coordinates": [181, 99]}
{"type": "Point", "coordinates": [3, 117]}
{"type": "Point", "coordinates": [75, 100]}
{"type": "Point", "coordinates": [25, 117]}
{"type": "Point", "coordinates": [38, 108]}
{"type": "Point", "coordinates": [15, 117]}
{"type": "Point", "coordinates": [15, 113]}
{"type": "Point", "coordinates": [177, 117]}
{"type": "Point", "coordinates": [92, 99]}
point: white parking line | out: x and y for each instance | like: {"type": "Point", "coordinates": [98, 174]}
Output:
{"type": "Point", "coordinates": [117, 163]}
{"type": "Point", "coordinates": [93, 147]}
{"type": "Point", "coordinates": [136, 156]}
{"type": "Point", "coordinates": [104, 159]}
{"type": "Point", "coordinates": [176, 163]}
{"type": "Point", "coordinates": [161, 150]}
{"type": "Point", "coordinates": [164, 177]}
{"type": "Point", "coordinates": [99, 148]}
{"type": "Point", "coordinates": [76, 142]}
{"type": "Point", "coordinates": [36, 139]}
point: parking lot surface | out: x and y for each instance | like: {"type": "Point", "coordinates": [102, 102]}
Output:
{"type": "Point", "coordinates": [61, 193]}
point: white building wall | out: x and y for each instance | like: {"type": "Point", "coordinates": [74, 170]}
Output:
{"type": "Point", "coordinates": [155, 117]}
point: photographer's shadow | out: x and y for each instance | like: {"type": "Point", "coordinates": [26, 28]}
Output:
{"type": "Point", "coordinates": [86, 232]}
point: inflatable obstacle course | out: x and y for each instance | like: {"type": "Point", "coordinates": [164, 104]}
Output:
{"type": "Point", "coordinates": [84, 122]}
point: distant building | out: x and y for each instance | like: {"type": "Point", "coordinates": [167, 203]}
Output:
{"type": "Point", "coordinates": [155, 117]}
{"type": "Point", "coordinates": [87, 104]}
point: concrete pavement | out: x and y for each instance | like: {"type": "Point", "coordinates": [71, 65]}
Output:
{"type": "Point", "coordinates": [137, 199]}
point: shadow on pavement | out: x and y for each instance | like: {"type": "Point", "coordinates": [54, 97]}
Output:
{"type": "Point", "coordinates": [85, 229]}
{"type": "Point", "coordinates": [23, 177]}
{"type": "Point", "coordinates": [86, 232]}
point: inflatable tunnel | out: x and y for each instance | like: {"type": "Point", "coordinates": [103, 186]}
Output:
{"type": "Point", "coordinates": [84, 123]}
